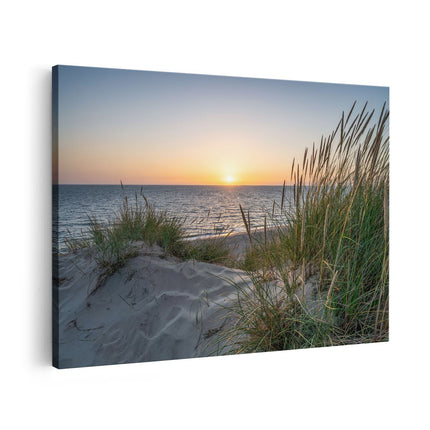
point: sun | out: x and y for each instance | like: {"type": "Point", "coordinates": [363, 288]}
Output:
{"type": "Point", "coordinates": [229, 179]}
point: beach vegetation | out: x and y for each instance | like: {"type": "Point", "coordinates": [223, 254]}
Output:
{"type": "Point", "coordinates": [212, 249]}
{"type": "Point", "coordinates": [321, 276]}
{"type": "Point", "coordinates": [114, 242]}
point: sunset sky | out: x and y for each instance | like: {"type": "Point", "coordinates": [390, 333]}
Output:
{"type": "Point", "coordinates": [169, 128]}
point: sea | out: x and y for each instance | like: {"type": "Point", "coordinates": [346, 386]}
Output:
{"type": "Point", "coordinates": [206, 210]}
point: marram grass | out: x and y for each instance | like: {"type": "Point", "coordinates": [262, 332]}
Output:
{"type": "Point", "coordinates": [112, 244]}
{"type": "Point", "coordinates": [321, 277]}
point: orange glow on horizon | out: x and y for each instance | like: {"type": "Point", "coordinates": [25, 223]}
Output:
{"type": "Point", "coordinates": [218, 162]}
{"type": "Point", "coordinates": [178, 129]}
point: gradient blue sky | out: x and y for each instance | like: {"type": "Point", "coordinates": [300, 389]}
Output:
{"type": "Point", "coordinates": [170, 128]}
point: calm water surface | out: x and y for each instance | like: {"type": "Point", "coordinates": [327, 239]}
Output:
{"type": "Point", "coordinates": [206, 209]}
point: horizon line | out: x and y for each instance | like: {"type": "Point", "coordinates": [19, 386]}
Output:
{"type": "Point", "coordinates": [180, 185]}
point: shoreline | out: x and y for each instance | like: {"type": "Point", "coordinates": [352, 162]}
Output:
{"type": "Point", "coordinates": [238, 242]}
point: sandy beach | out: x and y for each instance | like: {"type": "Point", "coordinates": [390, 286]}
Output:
{"type": "Point", "coordinates": [154, 308]}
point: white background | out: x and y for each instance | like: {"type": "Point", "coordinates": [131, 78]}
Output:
{"type": "Point", "coordinates": [366, 42]}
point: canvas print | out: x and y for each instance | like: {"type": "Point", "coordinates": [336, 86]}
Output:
{"type": "Point", "coordinates": [198, 216]}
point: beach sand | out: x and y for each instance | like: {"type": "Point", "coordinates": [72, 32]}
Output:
{"type": "Point", "coordinates": [154, 308]}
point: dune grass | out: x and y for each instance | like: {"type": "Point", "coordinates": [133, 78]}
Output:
{"type": "Point", "coordinates": [115, 242]}
{"type": "Point", "coordinates": [333, 231]}
{"type": "Point", "coordinates": [213, 249]}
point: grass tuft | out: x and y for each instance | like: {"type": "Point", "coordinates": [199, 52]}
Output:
{"type": "Point", "coordinates": [212, 249]}
{"type": "Point", "coordinates": [114, 243]}
{"type": "Point", "coordinates": [332, 231]}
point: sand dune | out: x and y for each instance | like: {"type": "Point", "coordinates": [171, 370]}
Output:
{"type": "Point", "coordinates": [154, 308]}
